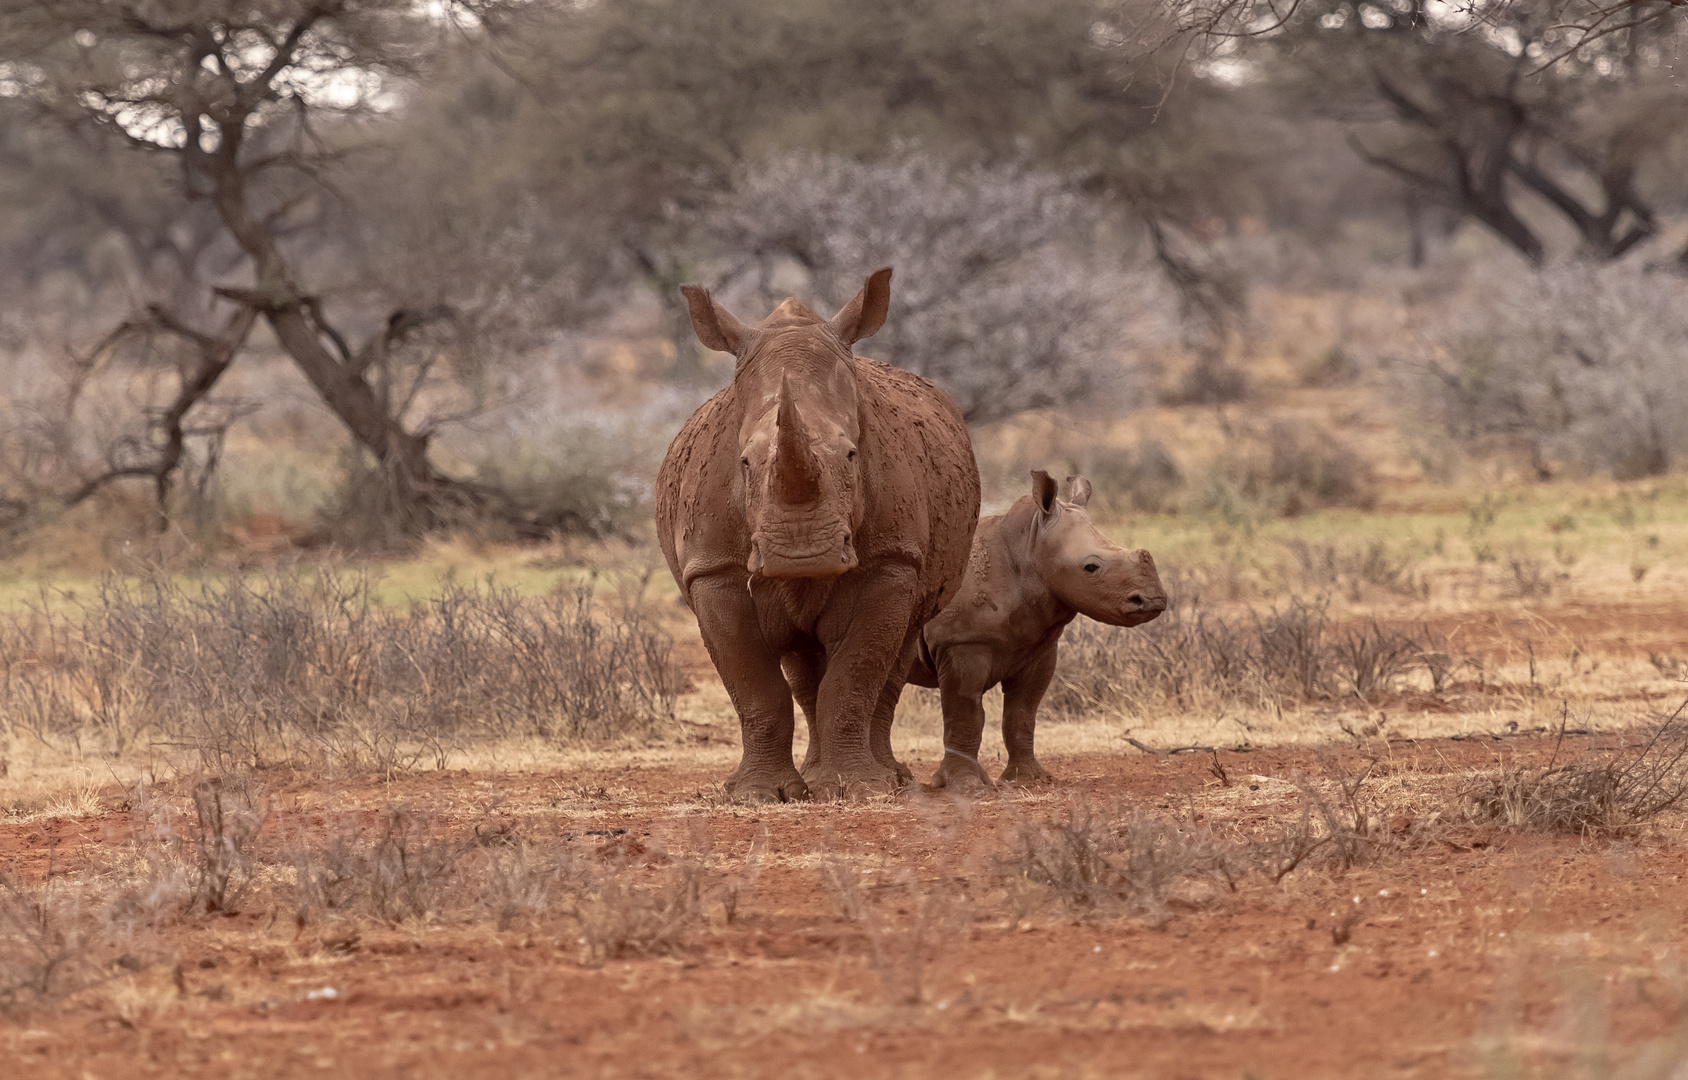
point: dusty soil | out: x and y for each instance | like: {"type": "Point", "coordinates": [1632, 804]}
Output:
{"type": "Point", "coordinates": [1602, 628]}
{"type": "Point", "coordinates": [1428, 963]}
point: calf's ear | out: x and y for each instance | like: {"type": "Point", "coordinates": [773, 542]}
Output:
{"type": "Point", "coordinates": [1078, 491]}
{"type": "Point", "coordinates": [715, 325]}
{"type": "Point", "coordinates": [863, 316]}
{"type": "Point", "coordinates": [1045, 491]}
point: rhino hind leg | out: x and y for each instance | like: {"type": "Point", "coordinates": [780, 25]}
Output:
{"type": "Point", "coordinates": [1021, 695]}
{"type": "Point", "coordinates": [803, 671]}
{"type": "Point", "coordinates": [885, 713]}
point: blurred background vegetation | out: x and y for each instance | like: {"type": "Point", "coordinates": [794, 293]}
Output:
{"type": "Point", "coordinates": [285, 274]}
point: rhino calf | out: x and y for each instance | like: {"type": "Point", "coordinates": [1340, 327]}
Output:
{"type": "Point", "coordinates": [1030, 572]}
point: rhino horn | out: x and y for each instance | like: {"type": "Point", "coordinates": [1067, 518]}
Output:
{"type": "Point", "coordinates": [796, 474]}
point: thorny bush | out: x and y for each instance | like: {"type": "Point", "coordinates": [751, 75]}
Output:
{"type": "Point", "coordinates": [1626, 787]}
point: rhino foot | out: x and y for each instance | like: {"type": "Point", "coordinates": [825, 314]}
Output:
{"type": "Point", "coordinates": [1027, 771]}
{"type": "Point", "coordinates": [831, 784]}
{"type": "Point", "coordinates": [770, 787]}
{"type": "Point", "coordinates": [960, 773]}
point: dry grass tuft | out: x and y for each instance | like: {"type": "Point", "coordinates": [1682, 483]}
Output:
{"type": "Point", "coordinates": [1350, 570]}
{"type": "Point", "coordinates": [1189, 659]}
{"type": "Point", "coordinates": [308, 669]}
{"type": "Point", "coordinates": [618, 916]}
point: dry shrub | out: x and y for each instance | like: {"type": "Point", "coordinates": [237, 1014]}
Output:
{"type": "Point", "coordinates": [1570, 368]}
{"type": "Point", "coordinates": [619, 917]}
{"type": "Point", "coordinates": [74, 931]}
{"type": "Point", "coordinates": [1530, 578]}
{"type": "Point", "coordinates": [311, 669]}
{"type": "Point", "coordinates": [1668, 665]}
{"type": "Point", "coordinates": [1626, 788]}
{"type": "Point", "coordinates": [43, 950]}
{"type": "Point", "coordinates": [844, 882]}
{"type": "Point", "coordinates": [411, 873]}
{"type": "Point", "coordinates": [1184, 659]}
{"type": "Point", "coordinates": [228, 822]}
{"type": "Point", "coordinates": [1350, 570]}
{"type": "Point", "coordinates": [1287, 470]}
{"type": "Point", "coordinates": [407, 871]}
{"type": "Point", "coordinates": [1144, 478]}
{"type": "Point", "coordinates": [900, 952]}
{"type": "Point", "coordinates": [1189, 659]}
{"type": "Point", "coordinates": [1342, 823]}
{"type": "Point", "coordinates": [1117, 860]}
{"type": "Point", "coordinates": [1370, 659]}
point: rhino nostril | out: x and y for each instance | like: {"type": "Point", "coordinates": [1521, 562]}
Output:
{"type": "Point", "coordinates": [1136, 598]}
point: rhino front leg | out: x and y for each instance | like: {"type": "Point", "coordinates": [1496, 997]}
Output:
{"type": "Point", "coordinates": [750, 670]}
{"type": "Point", "coordinates": [963, 677]}
{"type": "Point", "coordinates": [1021, 696]}
{"type": "Point", "coordinates": [864, 638]}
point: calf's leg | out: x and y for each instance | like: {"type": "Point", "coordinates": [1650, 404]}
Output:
{"type": "Point", "coordinates": [1021, 695]}
{"type": "Point", "coordinates": [963, 677]}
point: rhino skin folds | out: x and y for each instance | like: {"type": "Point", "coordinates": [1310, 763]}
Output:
{"type": "Point", "coordinates": [815, 514]}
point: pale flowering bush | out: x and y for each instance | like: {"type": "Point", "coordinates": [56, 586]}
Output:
{"type": "Point", "coordinates": [1013, 290]}
{"type": "Point", "coordinates": [1580, 366]}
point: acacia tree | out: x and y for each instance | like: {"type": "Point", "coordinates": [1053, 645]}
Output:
{"type": "Point", "coordinates": [235, 93]}
{"type": "Point", "coordinates": [1483, 104]}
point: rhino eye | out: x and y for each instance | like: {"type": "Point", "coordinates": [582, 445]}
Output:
{"type": "Point", "coordinates": [851, 456]}
{"type": "Point", "coordinates": [1091, 568]}
{"type": "Point", "coordinates": [745, 462]}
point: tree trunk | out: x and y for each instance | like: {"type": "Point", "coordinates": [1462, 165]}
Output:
{"type": "Point", "coordinates": [423, 494]}
{"type": "Point", "coordinates": [402, 454]}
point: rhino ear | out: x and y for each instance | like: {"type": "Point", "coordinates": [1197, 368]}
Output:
{"type": "Point", "coordinates": [1078, 491]}
{"type": "Point", "coordinates": [1045, 491]}
{"type": "Point", "coordinates": [715, 325]}
{"type": "Point", "coordinates": [863, 316]}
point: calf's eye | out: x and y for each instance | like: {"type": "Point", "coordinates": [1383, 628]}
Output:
{"type": "Point", "coordinates": [1091, 568]}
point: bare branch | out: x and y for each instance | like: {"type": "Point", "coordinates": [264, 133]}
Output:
{"type": "Point", "coordinates": [216, 353]}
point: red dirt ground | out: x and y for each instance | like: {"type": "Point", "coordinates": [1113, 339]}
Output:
{"type": "Point", "coordinates": [1479, 937]}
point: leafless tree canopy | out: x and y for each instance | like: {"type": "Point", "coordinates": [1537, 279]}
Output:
{"type": "Point", "coordinates": [237, 95]}
{"type": "Point", "coordinates": [1484, 104]}
{"type": "Point", "coordinates": [429, 219]}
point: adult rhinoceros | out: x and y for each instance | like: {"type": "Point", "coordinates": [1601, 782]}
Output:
{"type": "Point", "coordinates": [815, 513]}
